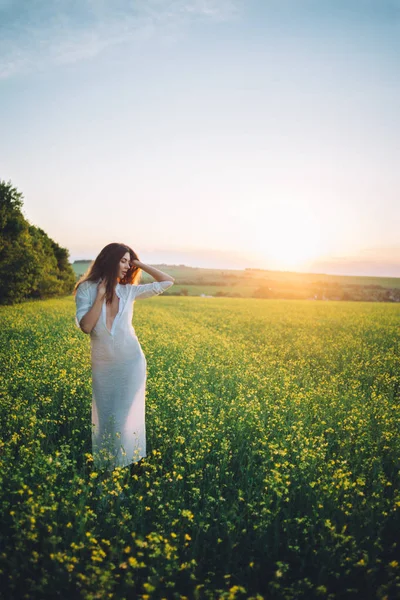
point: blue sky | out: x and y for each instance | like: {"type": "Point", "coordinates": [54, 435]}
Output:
{"type": "Point", "coordinates": [211, 133]}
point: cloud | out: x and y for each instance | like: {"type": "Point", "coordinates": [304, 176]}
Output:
{"type": "Point", "coordinates": [39, 34]}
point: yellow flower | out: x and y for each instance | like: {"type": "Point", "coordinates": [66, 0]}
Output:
{"type": "Point", "coordinates": [132, 561]}
{"type": "Point", "coordinates": [188, 514]}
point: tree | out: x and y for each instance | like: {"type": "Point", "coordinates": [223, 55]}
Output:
{"type": "Point", "coordinates": [31, 264]}
{"type": "Point", "coordinates": [17, 260]}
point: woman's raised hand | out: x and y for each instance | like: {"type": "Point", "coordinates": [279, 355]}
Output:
{"type": "Point", "coordinates": [101, 288]}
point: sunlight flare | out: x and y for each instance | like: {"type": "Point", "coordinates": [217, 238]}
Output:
{"type": "Point", "coordinates": [286, 235]}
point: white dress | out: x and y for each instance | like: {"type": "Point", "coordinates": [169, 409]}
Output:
{"type": "Point", "coordinates": [118, 376]}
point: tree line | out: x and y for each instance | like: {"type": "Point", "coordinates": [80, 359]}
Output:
{"type": "Point", "coordinates": [32, 265]}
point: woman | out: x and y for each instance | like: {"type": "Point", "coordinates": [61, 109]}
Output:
{"type": "Point", "coordinates": [104, 299]}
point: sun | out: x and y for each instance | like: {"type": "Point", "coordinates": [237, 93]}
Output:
{"type": "Point", "coordinates": [287, 239]}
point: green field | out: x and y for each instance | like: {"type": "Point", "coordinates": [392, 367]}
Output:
{"type": "Point", "coordinates": [282, 285]}
{"type": "Point", "coordinates": [273, 455]}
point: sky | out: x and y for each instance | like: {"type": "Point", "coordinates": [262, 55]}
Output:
{"type": "Point", "coordinates": [211, 133]}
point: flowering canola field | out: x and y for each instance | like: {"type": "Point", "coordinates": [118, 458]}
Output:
{"type": "Point", "coordinates": [272, 466]}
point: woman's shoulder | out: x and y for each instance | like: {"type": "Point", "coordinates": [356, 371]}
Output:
{"type": "Point", "coordinates": [87, 285]}
{"type": "Point", "coordinates": [125, 288]}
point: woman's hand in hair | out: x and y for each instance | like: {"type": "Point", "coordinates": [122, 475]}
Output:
{"type": "Point", "coordinates": [101, 289]}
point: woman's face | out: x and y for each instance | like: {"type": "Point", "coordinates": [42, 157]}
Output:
{"type": "Point", "coordinates": [124, 265]}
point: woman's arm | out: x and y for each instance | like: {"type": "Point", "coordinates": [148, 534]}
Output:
{"type": "Point", "coordinates": [158, 275]}
{"type": "Point", "coordinates": [92, 316]}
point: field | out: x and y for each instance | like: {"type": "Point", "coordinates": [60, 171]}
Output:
{"type": "Point", "coordinates": [272, 466]}
{"type": "Point", "coordinates": [258, 283]}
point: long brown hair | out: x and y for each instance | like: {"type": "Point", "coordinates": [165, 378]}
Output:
{"type": "Point", "coordinates": [106, 266]}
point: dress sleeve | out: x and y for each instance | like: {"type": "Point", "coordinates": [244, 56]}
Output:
{"type": "Point", "coordinates": [147, 290]}
{"type": "Point", "coordinates": [83, 303]}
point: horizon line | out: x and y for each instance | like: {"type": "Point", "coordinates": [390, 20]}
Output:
{"type": "Point", "coordinates": [258, 269]}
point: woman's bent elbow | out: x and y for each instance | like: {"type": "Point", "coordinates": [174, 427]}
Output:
{"type": "Point", "coordinates": [84, 329]}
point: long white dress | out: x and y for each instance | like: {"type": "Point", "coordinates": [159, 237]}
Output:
{"type": "Point", "coordinates": [118, 376]}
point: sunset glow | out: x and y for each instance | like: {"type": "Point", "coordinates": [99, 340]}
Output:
{"type": "Point", "coordinates": [216, 134]}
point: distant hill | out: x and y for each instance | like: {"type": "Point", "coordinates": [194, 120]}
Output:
{"type": "Point", "coordinates": [260, 283]}
{"type": "Point", "coordinates": [80, 267]}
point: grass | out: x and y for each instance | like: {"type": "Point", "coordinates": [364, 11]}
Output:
{"type": "Point", "coordinates": [272, 466]}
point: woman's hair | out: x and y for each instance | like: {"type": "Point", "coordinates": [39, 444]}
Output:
{"type": "Point", "coordinates": [106, 266]}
